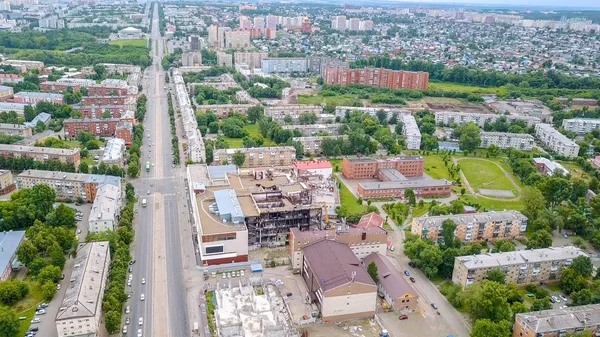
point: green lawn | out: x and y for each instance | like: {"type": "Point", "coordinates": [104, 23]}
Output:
{"type": "Point", "coordinates": [341, 100]}
{"type": "Point", "coordinates": [89, 160]}
{"type": "Point", "coordinates": [348, 200]}
{"type": "Point", "coordinates": [27, 306]}
{"type": "Point", "coordinates": [135, 43]}
{"type": "Point", "coordinates": [434, 167]}
{"type": "Point", "coordinates": [253, 130]}
{"type": "Point", "coordinates": [336, 162]}
{"type": "Point", "coordinates": [420, 211]}
{"type": "Point", "coordinates": [493, 205]}
{"type": "Point", "coordinates": [575, 170]}
{"type": "Point", "coordinates": [483, 174]}
{"type": "Point", "coordinates": [466, 88]}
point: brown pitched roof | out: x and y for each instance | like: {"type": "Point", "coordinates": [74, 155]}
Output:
{"type": "Point", "coordinates": [334, 264]}
{"type": "Point", "coordinates": [389, 277]}
{"type": "Point", "coordinates": [370, 220]}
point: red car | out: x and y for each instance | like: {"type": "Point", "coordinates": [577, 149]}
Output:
{"type": "Point", "coordinates": [403, 317]}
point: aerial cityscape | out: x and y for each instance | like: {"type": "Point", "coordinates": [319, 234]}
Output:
{"type": "Point", "coordinates": [295, 169]}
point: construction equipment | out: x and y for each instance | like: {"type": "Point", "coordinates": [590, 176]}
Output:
{"type": "Point", "coordinates": [326, 213]}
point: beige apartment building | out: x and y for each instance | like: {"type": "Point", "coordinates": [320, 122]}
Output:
{"type": "Point", "coordinates": [313, 145]}
{"type": "Point", "coordinates": [558, 322]}
{"type": "Point", "coordinates": [41, 154]}
{"type": "Point", "coordinates": [362, 242]}
{"type": "Point", "coordinates": [7, 183]}
{"type": "Point", "coordinates": [258, 156]}
{"type": "Point", "coordinates": [520, 267]}
{"type": "Point", "coordinates": [252, 59]}
{"type": "Point", "coordinates": [16, 130]}
{"type": "Point", "coordinates": [308, 130]}
{"type": "Point", "coordinates": [83, 299]}
{"type": "Point", "coordinates": [474, 227]}
{"type": "Point", "coordinates": [224, 59]}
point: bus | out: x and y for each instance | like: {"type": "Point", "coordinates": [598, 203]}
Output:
{"type": "Point", "coordinates": [147, 166]}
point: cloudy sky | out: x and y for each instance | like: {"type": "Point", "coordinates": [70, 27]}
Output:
{"type": "Point", "coordinates": [523, 3]}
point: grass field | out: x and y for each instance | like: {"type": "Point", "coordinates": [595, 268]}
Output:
{"type": "Point", "coordinates": [466, 88]}
{"type": "Point", "coordinates": [134, 43]}
{"type": "Point", "coordinates": [420, 211]}
{"type": "Point", "coordinates": [483, 174]}
{"type": "Point", "coordinates": [336, 162]}
{"type": "Point", "coordinates": [575, 170]}
{"type": "Point", "coordinates": [493, 205]}
{"type": "Point", "coordinates": [237, 143]}
{"type": "Point", "coordinates": [27, 306]}
{"type": "Point", "coordinates": [89, 160]}
{"type": "Point", "coordinates": [348, 200]}
{"type": "Point", "coordinates": [342, 100]}
{"type": "Point", "coordinates": [435, 168]}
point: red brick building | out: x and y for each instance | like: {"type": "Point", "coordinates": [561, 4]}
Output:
{"type": "Point", "coordinates": [107, 90]}
{"type": "Point", "coordinates": [51, 86]}
{"type": "Point", "coordinates": [396, 189]}
{"type": "Point", "coordinates": [104, 100]}
{"type": "Point", "coordinates": [116, 111]}
{"type": "Point", "coordinates": [24, 97]}
{"type": "Point", "coordinates": [125, 131]}
{"type": "Point", "coordinates": [368, 168]}
{"type": "Point", "coordinates": [11, 78]}
{"type": "Point", "coordinates": [377, 77]}
{"type": "Point", "coordinates": [97, 127]}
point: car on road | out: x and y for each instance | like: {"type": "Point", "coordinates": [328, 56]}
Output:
{"type": "Point", "coordinates": [148, 192]}
{"type": "Point", "coordinates": [130, 269]}
{"type": "Point", "coordinates": [142, 297]}
{"type": "Point", "coordinates": [412, 279]}
{"type": "Point", "coordinates": [131, 262]}
{"type": "Point", "coordinates": [141, 321]}
{"type": "Point", "coordinates": [130, 277]}
{"type": "Point", "coordinates": [127, 320]}
{"type": "Point", "coordinates": [58, 287]}
{"type": "Point", "coordinates": [127, 309]}
{"type": "Point", "coordinates": [242, 273]}
{"type": "Point", "coordinates": [40, 312]}
{"type": "Point", "coordinates": [36, 329]}
{"type": "Point", "coordinates": [412, 264]}
{"type": "Point", "coordinates": [129, 294]}
{"type": "Point", "coordinates": [143, 280]}
{"type": "Point", "coordinates": [79, 231]}
{"type": "Point", "coordinates": [224, 275]}
{"type": "Point", "coordinates": [36, 320]}
{"type": "Point", "coordinates": [124, 329]}
{"type": "Point", "coordinates": [406, 272]}
{"type": "Point", "coordinates": [129, 283]}
{"type": "Point", "coordinates": [403, 317]}
{"type": "Point", "coordinates": [139, 333]}
{"type": "Point", "coordinates": [44, 305]}
{"type": "Point", "coordinates": [554, 299]}
{"type": "Point", "coordinates": [563, 297]}
{"type": "Point", "coordinates": [433, 305]}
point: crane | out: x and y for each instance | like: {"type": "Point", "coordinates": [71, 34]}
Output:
{"type": "Point", "coordinates": [326, 213]}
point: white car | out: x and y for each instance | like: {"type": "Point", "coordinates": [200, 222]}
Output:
{"type": "Point", "coordinates": [36, 320]}
{"type": "Point", "coordinates": [127, 310]}
{"type": "Point", "coordinates": [141, 321]}
{"type": "Point", "coordinates": [58, 287]}
{"type": "Point", "coordinates": [139, 333]}
{"type": "Point", "coordinates": [224, 276]}
{"type": "Point", "coordinates": [142, 297]}
{"type": "Point", "coordinates": [242, 273]}
{"type": "Point", "coordinates": [563, 297]}
{"type": "Point", "coordinates": [124, 329]}
{"type": "Point", "coordinates": [40, 312]}
{"type": "Point", "coordinates": [143, 280]}
{"type": "Point", "coordinates": [129, 283]}
{"type": "Point", "coordinates": [130, 277]}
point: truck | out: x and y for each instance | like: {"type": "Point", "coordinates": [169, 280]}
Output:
{"type": "Point", "coordinates": [144, 202]}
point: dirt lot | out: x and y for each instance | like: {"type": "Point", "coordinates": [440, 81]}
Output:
{"type": "Point", "coordinates": [363, 328]}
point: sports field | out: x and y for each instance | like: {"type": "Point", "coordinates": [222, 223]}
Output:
{"type": "Point", "coordinates": [134, 43]}
{"type": "Point", "coordinates": [484, 174]}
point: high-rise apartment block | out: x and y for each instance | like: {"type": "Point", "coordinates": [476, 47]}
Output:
{"type": "Point", "coordinates": [460, 118]}
{"type": "Point", "coordinates": [410, 131]}
{"type": "Point", "coordinates": [378, 77]}
{"type": "Point", "coordinates": [41, 154]}
{"type": "Point", "coordinates": [224, 59]}
{"type": "Point", "coordinates": [520, 267]}
{"type": "Point", "coordinates": [556, 141]}
{"type": "Point", "coordinates": [251, 59]}
{"type": "Point", "coordinates": [278, 65]}
{"type": "Point", "coordinates": [339, 22]}
{"type": "Point", "coordinates": [237, 39]}
{"type": "Point", "coordinates": [474, 227]}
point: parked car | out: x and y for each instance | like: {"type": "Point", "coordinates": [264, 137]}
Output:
{"type": "Point", "coordinates": [143, 280]}
{"type": "Point", "coordinates": [139, 333]}
{"type": "Point", "coordinates": [36, 320]}
{"type": "Point", "coordinates": [142, 297]}
{"type": "Point", "coordinates": [403, 317]}
{"type": "Point", "coordinates": [131, 262]}
{"type": "Point", "coordinates": [127, 310]}
{"type": "Point", "coordinates": [406, 272]}
{"type": "Point", "coordinates": [412, 279]}
{"type": "Point", "coordinates": [127, 321]}
{"type": "Point", "coordinates": [563, 297]}
{"type": "Point", "coordinates": [412, 264]}
{"type": "Point", "coordinates": [141, 321]}
{"type": "Point", "coordinates": [40, 312]}
{"type": "Point", "coordinates": [124, 329]}
{"type": "Point", "coordinates": [433, 305]}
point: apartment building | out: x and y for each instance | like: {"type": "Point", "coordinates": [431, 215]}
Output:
{"type": "Point", "coordinates": [460, 118]}
{"type": "Point", "coordinates": [106, 209]}
{"type": "Point", "coordinates": [581, 125]}
{"type": "Point", "coordinates": [474, 227]}
{"type": "Point", "coordinates": [119, 68]}
{"type": "Point", "coordinates": [67, 185]}
{"type": "Point", "coordinates": [284, 65]}
{"type": "Point", "coordinates": [82, 302]}
{"type": "Point", "coordinates": [339, 286]}
{"type": "Point", "coordinates": [362, 242]}
{"type": "Point", "coordinates": [367, 168]}
{"type": "Point", "coordinates": [410, 131]}
{"type": "Point", "coordinates": [258, 156]}
{"type": "Point", "coordinates": [92, 112]}
{"type": "Point", "coordinates": [11, 78]}
{"type": "Point", "coordinates": [314, 145]}
{"type": "Point", "coordinates": [15, 130]}
{"type": "Point", "coordinates": [43, 117]}
{"type": "Point", "coordinates": [342, 111]}
{"type": "Point", "coordinates": [224, 59]}
{"type": "Point", "coordinates": [32, 98]}
{"type": "Point", "coordinates": [58, 87]}
{"type": "Point", "coordinates": [7, 183]}
{"type": "Point", "coordinates": [110, 90]}
{"type": "Point", "coordinates": [19, 108]}
{"type": "Point", "coordinates": [97, 127]}
{"type": "Point", "coordinates": [24, 66]}
{"type": "Point", "coordinates": [556, 141]}
{"type": "Point", "coordinates": [339, 22]}
{"type": "Point", "coordinates": [237, 39]}
{"type": "Point", "coordinates": [251, 59]}
{"type": "Point", "coordinates": [377, 77]}
{"type": "Point", "coordinates": [505, 140]}
{"type": "Point", "coordinates": [113, 152]}
{"type": "Point", "coordinates": [124, 131]}
{"type": "Point", "coordinates": [6, 92]}
{"type": "Point", "coordinates": [309, 130]}
{"type": "Point", "coordinates": [41, 154]}
{"type": "Point", "coordinates": [223, 110]}
{"type": "Point", "coordinates": [106, 100]}
{"type": "Point", "coordinates": [558, 322]}
{"type": "Point", "coordinates": [520, 267]}
{"type": "Point", "coordinates": [191, 59]}
{"type": "Point", "coordinates": [278, 112]}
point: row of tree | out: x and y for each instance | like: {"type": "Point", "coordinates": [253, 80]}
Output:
{"type": "Point", "coordinates": [135, 150]}
{"type": "Point", "coordinates": [174, 138]}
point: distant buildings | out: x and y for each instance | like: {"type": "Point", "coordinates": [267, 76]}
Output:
{"type": "Point", "coordinates": [16, 130]}
{"type": "Point", "coordinates": [130, 33]}
{"type": "Point", "coordinates": [258, 156]}
{"type": "Point", "coordinates": [556, 141]}
{"type": "Point", "coordinates": [505, 140]}
{"type": "Point", "coordinates": [41, 154]}
{"type": "Point", "coordinates": [82, 302]}
{"type": "Point", "coordinates": [475, 227]}
{"type": "Point", "coordinates": [11, 78]}
{"type": "Point", "coordinates": [353, 24]}
{"type": "Point", "coordinates": [252, 59]}
{"type": "Point", "coordinates": [309, 130]}
{"type": "Point", "coordinates": [279, 112]}
{"type": "Point", "coordinates": [43, 117]}
{"type": "Point", "coordinates": [191, 59]}
{"type": "Point", "coordinates": [581, 125]}
{"type": "Point", "coordinates": [558, 322]}
{"type": "Point", "coordinates": [224, 59]}
{"type": "Point", "coordinates": [338, 284]}
{"type": "Point", "coordinates": [237, 39]}
{"type": "Point", "coordinates": [460, 118]}
{"type": "Point", "coordinates": [520, 267]}
{"type": "Point", "coordinates": [98, 127]}
{"type": "Point", "coordinates": [314, 144]}
{"type": "Point", "coordinates": [277, 65]}
{"type": "Point", "coordinates": [6, 92]}
{"type": "Point", "coordinates": [24, 66]}
{"type": "Point", "coordinates": [9, 243]}
{"type": "Point", "coordinates": [34, 97]}
{"type": "Point", "coordinates": [377, 77]}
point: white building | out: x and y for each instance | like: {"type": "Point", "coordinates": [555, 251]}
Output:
{"type": "Point", "coordinates": [113, 152]}
{"type": "Point", "coordinates": [82, 303]}
{"type": "Point", "coordinates": [556, 141]}
{"type": "Point", "coordinates": [106, 208]}
{"type": "Point", "coordinates": [130, 33]}
{"type": "Point", "coordinates": [504, 140]}
{"type": "Point", "coordinates": [581, 125]}
{"type": "Point", "coordinates": [340, 111]}
{"type": "Point", "coordinates": [314, 145]}
{"type": "Point", "coordinates": [460, 118]}
{"type": "Point", "coordinates": [316, 167]}
{"type": "Point", "coordinates": [410, 131]}
{"type": "Point", "coordinates": [196, 150]}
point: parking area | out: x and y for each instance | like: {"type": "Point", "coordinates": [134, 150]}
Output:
{"type": "Point", "coordinates": [360, 328]}
{"type": "Point", "coordinates": [417, 324]}
{"type": "Point", "coordinates": [294, 289]}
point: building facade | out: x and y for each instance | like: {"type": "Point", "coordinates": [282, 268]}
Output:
{"type": "Point", "coordinates": [106, 209]}
{"type": "Point", "coordinates": [558, 322]}
{"type": "Point", "coordinates": [314, 145]}
{"type": "Point", "coordinates": [397, 189]}
{"type": "Point", "coordinates": [41, 154]}
{"type": "Point", "coordinates": [10, 242]}
{"type": "Point", "coordinates": [377, 77]}
{"type": "Point", "coordinates": [258, 156]}
{"type": "Point", "coordinates": [395, 288]}
{"type": "Point", "coordinates": [252, 59]}
{"type": "Point", "coordinates": [16, 130]}
{"type": "Point", "coordinates": [581, 125]}
{"type": "Point", "coordinates": [475, 227]}
{"type": "Point", "coordinates": [505, 140]}
{"type": "Point", "coordinates": [237, 39]}
{"type": "Point", "coordinates": [97, 127]}
{"type": "Point", "coordinates": [34, 97]}
{"type": "Point", "coordinates": [367, 168]}
{"type": "Point", "coordinates": [410, 131]}
{"type": "Point", "coordinates": [520, 267]}
{"type": "Point", "coordinates": [7, 183]}
{"type": "Point", "coordinates": [556, 141]}
{"type": "Point", "coordinates": [284, 65]}
{"type": "Point", "coordinates": [224, 59]}
{"type": "Point", "coordinates": [460, 118]}
{"type": "Point", "coordinates": [309, 130]}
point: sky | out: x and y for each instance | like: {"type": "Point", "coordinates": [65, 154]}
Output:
{"type": "Point", "coordinates": [521, 3]}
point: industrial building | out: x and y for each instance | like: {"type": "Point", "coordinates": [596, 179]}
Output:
{"type": "Point", "coordinates": [41, 154]}
{"type": "Point", "coordinates": [362, 241]}
{"type": "Point", "coordinates": [9, 243]}
{"type": "Point", "coordinates": [556, 141]}
{"type": "Point", "coordinates": [581, 125]}
{"type": "Point", "coordinates": [396, 290]}
{"type": "Point", "coordinates": [558, 322]}
{"type": "Point", "coordinates": [460, 118]}
{"type": "Point", "coordinates": [82, 302]}
{"type": "Point", "coordinates": [505, 140]}
{"type": "Point", "coordinates": [474, 227]}
{"type": "Point", "coordinates": [520, 267]}
{"type": "Point", "coordinates": [338, 284]}
{"type": "Point", "coordinates": [258, 156]}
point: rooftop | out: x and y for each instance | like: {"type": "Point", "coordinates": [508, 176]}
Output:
{"type": "Point", "coordinates": [9, 242]}
{"type": "Point", "coordinates": [38, 94]}
{"type": "Point", "coordinates": [414, 183]}
{"type": "Point", "coordinates": [492, 260]}
{"type": "Point", "coordinates": [113, 150]}
{"type": "Point", "coordinates": [551, 165]}
{"type": "Point", "coordinates": [84, 293]}
{"type": "Point", "coordinates": [381, 160]}
{"type": "Point", "coordinates": [390, 278]}
{"type": "Point", "coordinates": [7, 126]}
{"type": "Point", "coordinates": [313, 165]}
{"type": "Point", "coordinates": [34, 149]}
{"type": "Point", "coordinates": [484, 217]}
{"type": "Point", "coordinates": [339, 268]}
{"type": "Point", "coordinates": [392, 174]}
{"type": "Point", "coordinates": [567, 318]}
{"type": "Point", "coordinates": [220, 171]}
{"type": "Point", "coordinates": [370, 220]}
{"type": "Point", "coordinates": [106, 204]}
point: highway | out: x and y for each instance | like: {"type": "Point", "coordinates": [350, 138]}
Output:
{"type": "Point", "coordinates": [158, 246]}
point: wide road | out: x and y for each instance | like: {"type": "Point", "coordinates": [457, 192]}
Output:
{"type": "Point", "coordinates": [158, 243]}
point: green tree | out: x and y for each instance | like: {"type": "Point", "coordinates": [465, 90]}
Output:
{"type": "Point", "coordinates": [372, 270]}
{"type": "Point", "coordinates": [409, 195]}
{"type": "Point", "coordinates": [518, 307]}
{"type": "Point", "coordinates": [27, 252]}
{"type": "Point", "coordinates": [496, 275]}
{"type": "Point", "coordinates": [502, 246]}
{"type": "Point", "coordinates": [493, 150]}
{"type": "Point", "coordinates": [238, 159]}
{"type": "Point", "coordinates": [113, 321]}
{"type": "Point", "coordinates": [288, 120]}
{"type": "Point", "coordinates": [37, 265]}
{"type": "Point", "coordinates": [106, 114]}
{"type": "Point", "coordinates": [539, 239]}
{"type": "Point", "coordinates": [488, 328]}
{"type": "Point", "coordinates": [49, 273]}
{"type": "Point", "coordinates": [582, 297]}
{"type": "Point", "coordinates": [470, 137]}
{"type": "Point", "coordinates": [63, 215]}
{"type": "Point", "coordinates": [56, 255]}
{"type": "Point", "coordinates": [255, 113]}
{"type": "Point", "coordinates": [429, 260]}
{"type": "Point", "coordinates": [541, 304]}
{"type": "Point", "coordinates": [48, 290]}
{"type": "Point", "coordinates": [13, 291]}
{"type": "Point", "coordinates": [9, 322]}
{"type": "Point", "coordinates": [448, 228]}
{"type": "Point", "coordinates": [571, 281]}
{"type": "Point", "coordinates": [308, 118]}
{"type": "Point", "coordinates": [583, 266]}
{"type": "Point", "coordinates": [533, 202]}
{"type": "Point", "coordinates": [84, 137]}
{"type": "Point", "coordinates": [487, 300]}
